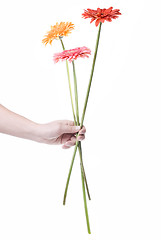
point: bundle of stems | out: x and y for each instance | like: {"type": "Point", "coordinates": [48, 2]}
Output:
{"type": "Point", "coordinates": [77, 122]}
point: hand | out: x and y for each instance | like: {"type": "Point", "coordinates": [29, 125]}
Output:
{"type": "Point", "coordinates": [61, 132]}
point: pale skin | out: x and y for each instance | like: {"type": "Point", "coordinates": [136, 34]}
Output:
{"type": "Point", "coordinates": [56, 132]}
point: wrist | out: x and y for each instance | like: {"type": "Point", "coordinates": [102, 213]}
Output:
{"type": "Point", "coordinates": [37, 132]}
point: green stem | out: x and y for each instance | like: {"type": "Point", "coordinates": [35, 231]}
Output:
{"type": "Point", "coordinates": [85, 179]}
{"type": "Point", "coordinates": [91, 76]}
{"type": "Point", "coordinates": [70, 89]}
{"type": "Point", "coordinates": [76, 94]}
{"type": "Point", "coordinates": [71, 166]}
{"type": "Point", "coordinates": [70, 170]}
{"type": "Point", "coordinates": [86, 100]}
{"type": "Point", "coordinates": [85, 200]}
{"type": "Point", "coordinates": [78, 123]}
{"type": "Point", "coordinates": [79, 147]}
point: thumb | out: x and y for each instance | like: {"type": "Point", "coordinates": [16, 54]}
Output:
{"type": "Point", "coordinates": [69, 129]}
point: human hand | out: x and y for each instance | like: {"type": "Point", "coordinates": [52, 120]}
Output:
{"type": "Point", "coordinates": [60, 132]}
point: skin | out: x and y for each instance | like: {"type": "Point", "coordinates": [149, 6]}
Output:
{"type": "Point", "coordinates": [57, 132]}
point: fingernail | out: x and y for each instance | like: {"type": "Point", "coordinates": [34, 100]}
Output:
{"type": "Point", "coordinates": [78, 128]}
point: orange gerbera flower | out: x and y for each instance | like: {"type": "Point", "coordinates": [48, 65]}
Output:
{"type": "Point", "coordinates": [58, 30]}
{"type": "Point", "coordinates": [101, 15]}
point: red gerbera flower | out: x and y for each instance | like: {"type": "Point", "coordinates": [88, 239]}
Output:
{"type": "Point", "coordinates": [72, 54]}
{"type": "Point", "coordinates": [101, 15]}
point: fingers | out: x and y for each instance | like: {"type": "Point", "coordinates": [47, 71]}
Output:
{"type": "Point", "coordinates": [83, 130]}
{"type": "Point", "coordinates": [67, 126]}
{"type": "Point", "coordinates": [73, 129]}
{"type": "Point", "coordinates": [72, 141]}
{"type": "Point", "coordinates": [65, 147]}
{"type": "Point", "coordinates": [68, 129]}
{"type": "Point", "coordinates": [81, 137]}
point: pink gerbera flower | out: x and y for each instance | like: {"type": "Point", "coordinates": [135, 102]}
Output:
{"type": "Point", "coordinates": [72, 54]}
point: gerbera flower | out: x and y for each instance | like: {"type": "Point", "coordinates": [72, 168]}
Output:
{"type": "Point", "coordinates": [72, 54]}
{"type": "Point", "coordinates": [58, 30]}
{"type": "Point", "coordinates": [101, 15]}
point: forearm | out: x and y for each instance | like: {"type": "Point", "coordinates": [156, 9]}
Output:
{"type": "Point", "coordinates": [17, 125]}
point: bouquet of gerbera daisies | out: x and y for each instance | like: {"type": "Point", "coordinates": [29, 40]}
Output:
{"type": "Point", "coordinates": [58, 31]}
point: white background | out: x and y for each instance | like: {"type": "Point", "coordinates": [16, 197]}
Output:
{"type": "Point", "coordinates": [121, 152]}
